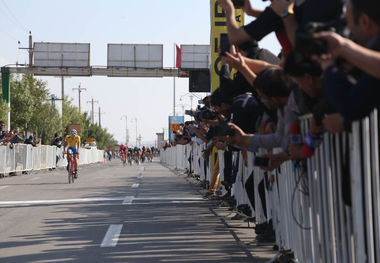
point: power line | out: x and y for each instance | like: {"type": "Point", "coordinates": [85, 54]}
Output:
{"type": "Point", "coordinates": [8, 35]}
{"type": "Point", "coordinates": [15, 20]}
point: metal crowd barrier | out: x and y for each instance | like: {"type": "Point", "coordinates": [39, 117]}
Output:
{"type": "Point", "coordinates": [324, 209]}
{"type": "Point", "coordinates": [23, 157]}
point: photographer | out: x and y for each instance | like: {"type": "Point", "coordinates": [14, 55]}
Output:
{"type": "Point", "coordinates": [354, 96]}
{"type": "Point", "coordinates": [249, 60]}
{"type": "Point", "coordinates": [275, 91]}
{"type": "Point", "coordinates": [359, 56]}
{"type": "Point", "coordinates": [266, 22]}
{"type": "Point", "coordinates": [361, 90]}
{"type": "Point", "coordinates": [310, 97]}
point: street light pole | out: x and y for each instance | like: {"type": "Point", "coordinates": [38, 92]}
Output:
{"type": "Point", "coordinates": [126, 128]}
{"type": "Point", "coordinates": [136, 130]}
{"type": "Point", "coordinates": [135, 119]}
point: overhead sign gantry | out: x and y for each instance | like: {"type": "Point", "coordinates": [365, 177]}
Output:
{"type": "Point", "coordinates": [123, 60]}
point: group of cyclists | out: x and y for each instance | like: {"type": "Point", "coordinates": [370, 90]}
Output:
{"type": "Point", "coordinates": [136, 155]}
{"type": "Point", "coordinates": [71, 145]}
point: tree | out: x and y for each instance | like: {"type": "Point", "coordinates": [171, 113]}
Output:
{"type": "Point", "coordinates": [3, 109]}
{"type": "Point", "coordinates": [31, 109]}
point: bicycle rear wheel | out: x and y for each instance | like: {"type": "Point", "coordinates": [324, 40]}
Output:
{"type": "Point", "coordinates": [70, 171]}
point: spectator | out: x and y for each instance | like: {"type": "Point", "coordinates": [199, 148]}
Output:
{"type": "Point", "coordinates": [31, 141]}
{"type": "Point", "coordinates": [266, 22]}
{"type": "Point", "coordinates": [57, 141]}
{"type": "Point", "coordinates": [359, 56]}
{"type": "Point", "coordinates": [355, 96]}
{"type": "Point", "coordinates": [2, 130]}
{"type": "Point", "coordinates": [276, 92]}
{"type": "Point", "coordinates": [16, 137]}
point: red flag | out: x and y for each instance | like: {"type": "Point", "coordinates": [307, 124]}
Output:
{"type": "Point", "coordinates": [178, 60]}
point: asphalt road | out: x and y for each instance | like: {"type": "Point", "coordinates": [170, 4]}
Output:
{"type": "Point", "coordinates": [113, 213]}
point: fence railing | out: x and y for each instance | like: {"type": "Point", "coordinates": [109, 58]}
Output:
{"type": "Point", "coordinates": [325, 209]}
{"type": "Point", "coordinates": [23, 157]}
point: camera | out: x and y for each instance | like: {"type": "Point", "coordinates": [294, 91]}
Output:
{"type": "Point", "coordinates": [262, 162]}
{"type": "Point", "coordinates": [203, 113]}
{"type": "Point", "coordinates": [179, 137]}
{"type": "Point", "coordinates": [223, 130]}
{"type": "Point", "coordinates": [238, 3]}
{"type": "Point", "coordinates": [188, 132]}
{"type": "Point", "coordinates": [308, 46]}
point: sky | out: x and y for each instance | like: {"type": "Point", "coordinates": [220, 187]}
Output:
{"type": "Point", "coordinates": [149, 100]}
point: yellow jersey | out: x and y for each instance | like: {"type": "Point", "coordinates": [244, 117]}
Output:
{"type": "Point", "coordinates": [72, 142]}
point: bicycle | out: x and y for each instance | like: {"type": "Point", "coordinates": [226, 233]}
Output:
{"type": "Point", "coordinates": [70, 166]}
{"type": "Point", "coordinates": [129, 159]}
{"type": "Point", "coordinates": [124, 158]}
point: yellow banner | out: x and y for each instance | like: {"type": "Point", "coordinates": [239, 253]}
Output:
{"type": "Point", "coordinates": [218, 31]}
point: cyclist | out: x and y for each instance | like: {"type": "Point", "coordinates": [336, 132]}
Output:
{"type": "Point", "coordinates": [149, 154]}
{"type": "Point", "coordinates": [136, 154]}
{"type": "Point", "coordinates": [73, 142]}
{"type": "Point", "coordinates": [130, 155]}
{"type": "Point", "coordinates": [143, 154]}
{"type": "Point", "coordinates": [123, 152]}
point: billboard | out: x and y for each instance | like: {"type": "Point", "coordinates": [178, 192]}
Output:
{"type": "Point", "coordinates": [46, 54]}
{"type": "Point", "coordinates": [195, 56]}
{"type": "Point", "coordinates": [174, 125]}
{"type": "Point", "coordinates": [135, 56]}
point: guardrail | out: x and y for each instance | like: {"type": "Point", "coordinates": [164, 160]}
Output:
{"type": "Point", "coordinates": [324, 209]}
{"type": "Point", "coordinates": [23, 157]}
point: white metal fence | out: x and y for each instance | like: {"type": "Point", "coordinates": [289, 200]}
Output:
{"type": "Point", "coordinates": [23, 157]}
{"type": "Point", "coordinates": [326, 209]}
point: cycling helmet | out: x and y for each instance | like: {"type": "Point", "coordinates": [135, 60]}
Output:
{"type": "Point", "coordinates": [73, 131]}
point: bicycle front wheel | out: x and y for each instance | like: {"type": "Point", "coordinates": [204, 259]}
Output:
{"type": "Point", "coordinates": [69, 171]}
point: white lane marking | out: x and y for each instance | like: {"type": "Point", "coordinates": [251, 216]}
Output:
{"type": "Point", "coordinates": [140, 176]}
{"type": "Point", "coordinates": [79, 200]}
{"type": "Point", "coordinates": [128, 200]}
{"type": "Point", "coordinates": [86, 200]}
{"type": "Point", "coordinates": [112, 236]}
{"type": "Point", "coordinates": [35, 178]}
{"type": "Point", "coordinates": [167, 199]}
{"type": "Point", "coordinates": [142, 169]}
{"type": "Point", "coordinates": [3, 187]}
{"type": "Point", "coordinates": [135, 185]}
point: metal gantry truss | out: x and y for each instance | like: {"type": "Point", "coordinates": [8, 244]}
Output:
{"type": "Point", "coordinates": [101, 71]}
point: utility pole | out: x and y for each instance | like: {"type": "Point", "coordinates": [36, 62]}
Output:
{"type": "Point", "coordinates": [100, 118]}
{"type": "Point", "coordinates": [63, 88]}
{"type": "Point", "coordinates": [79, 89]}
{"type": "Point", "coordinates": [30, 49]}
{"type": "Point", "coordinates": [173, 81]}
{"type": "Point", "coordinates": [92, 110]}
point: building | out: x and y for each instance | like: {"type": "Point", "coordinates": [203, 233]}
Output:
{"type": "Point", "coordinates": [160, 140]}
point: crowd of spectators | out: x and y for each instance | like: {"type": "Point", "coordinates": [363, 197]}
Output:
{"type": "Point", "coordinates": [15, 136]}
{"type": "Point", "coordinates": [329, 69]}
